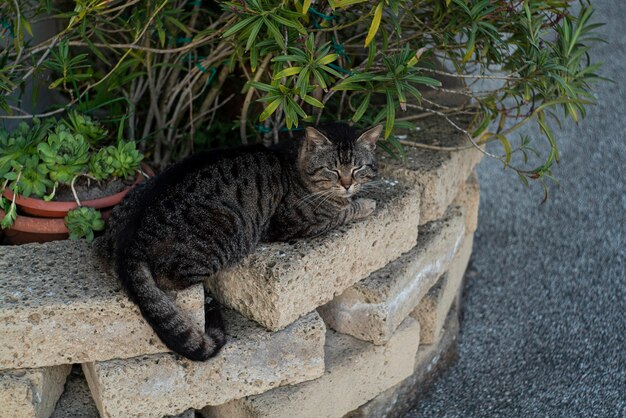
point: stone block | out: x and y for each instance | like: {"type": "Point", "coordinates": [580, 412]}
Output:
{"type": "Point", "coordinates": [434, 307]}
{"type": "Point", "coordinates": [469, 198]}
{"type": "Point", "coordinates": [438, 174]}
{"type": "Point", "coordinates": [252, 361]}
{"type": "Point", "coordinates": [31, 393]}
{"type": "Point", "coordinates": [372, 309]}
{"type": "Point", "coordinates": [59, 306]}
{"type": "Point", "coordinates": [430, 362]}
{"type": "Point", "coordinates": [280, 282]}
{"type": "Point", "coordinates": [76, 400]}
{"type": "Point", "coordinates": [356, 371]}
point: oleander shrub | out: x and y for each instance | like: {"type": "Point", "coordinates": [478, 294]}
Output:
{"type": "Point", "coordinates": [177, 76]}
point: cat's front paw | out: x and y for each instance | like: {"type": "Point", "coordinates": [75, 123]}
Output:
{"type": "Point", "coordinates": [365, 207]}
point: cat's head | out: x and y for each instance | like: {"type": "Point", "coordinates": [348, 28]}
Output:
{"type": "Point", "coordinates": [338, 159]}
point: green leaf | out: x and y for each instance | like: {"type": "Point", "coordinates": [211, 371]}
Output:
{"type": "Point", "coordinates": [327, 59]}
{"type": "Point", "coordinates": [507, 148]}
{"type": "Point", "coordinates": [271, 108]}
{"type": "Point", "coordinates": [254, 32]}
{"type": "Point", "coordinates": [260, 86]}
{"type": "Point", "coordinates": [239, 26]}
{"type": "Point", "coordinates": [391, 115]}
{"type": "Point", "coordinates": [275, 32]}
{"type": "Point", "coordinates": [305, 6]}
{"type": "Point", "coordinates": [378, 14]}
{"type": "Point", "coordinates": [289, 23]}
{"type": "Point", "coordinates": [287, 72]}
{"type": "Point", "coordinates": [313, 101]}
{"type": "Point", "coordinates": [362, 108]}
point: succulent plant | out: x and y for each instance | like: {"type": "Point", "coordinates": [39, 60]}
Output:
{"type": "Point", "coordinates": [20, 144]}
{"type": "Point", "coordinates": [91, 130]}
{"type": "Point", "coordinates": [35, 159]}
{"type": "Point", "coordinates": [34, 178]}
{"type": "Point", "coordinates": [10, 212]}
{"type": "Point", "coordinates": [126, 158]}
{"type": "Point", "coordinates": [101, 164]}
{"type": "Point", "coordinates": [82, 222]}
{"type": "Point", "coordinates": [65, 154]}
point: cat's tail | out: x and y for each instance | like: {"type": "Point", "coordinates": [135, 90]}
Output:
{"type": "Point", "coordinates": [177, 331]}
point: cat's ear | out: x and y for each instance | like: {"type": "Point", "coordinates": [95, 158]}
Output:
{"type": "Point", "coordinates": [370, 136]}
{"type": "Point", "coordinates": [315, 138]}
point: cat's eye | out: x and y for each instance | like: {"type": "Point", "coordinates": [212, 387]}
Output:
{"type": "Point", "coordinates": [358, 170]}
{"type": "Point", "coordinates": [335, 172]}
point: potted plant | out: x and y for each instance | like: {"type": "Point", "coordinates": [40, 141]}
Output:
{"type": "Point", "coordinates": [61, 177]}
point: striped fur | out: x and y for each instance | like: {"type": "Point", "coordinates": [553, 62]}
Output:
{"type": "Point", "coordinates": [209, 211]}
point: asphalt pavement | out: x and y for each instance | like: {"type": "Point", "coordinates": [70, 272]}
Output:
{"type": "Point", "coordinates": [544, 313]}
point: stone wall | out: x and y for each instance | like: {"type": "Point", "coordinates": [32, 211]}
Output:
{"type": "Point", "coordinates": [354, 323]}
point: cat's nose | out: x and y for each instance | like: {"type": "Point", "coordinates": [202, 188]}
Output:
{"type": "Point", "coordinates": [346, 182]}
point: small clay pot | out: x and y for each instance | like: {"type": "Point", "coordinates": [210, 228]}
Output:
{"type": "Point", "coordinates": [52, 209]}
{"type": "Point", "coordinates": [48, 223]}
{"type": "Point", "coordinates": [27, 229]}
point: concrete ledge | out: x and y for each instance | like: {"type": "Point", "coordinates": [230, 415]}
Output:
{"type": "Point", "coordinates": [280, 282]}
{"type": "Point", "coordinates": [31, 393]}
{"type": "Point", "coordinates": [430, 362]}
{"type": "Point", "coordinates": [469, 198]}
{"type": "Point", "coordinates": [434, 307]}
{"type": "Point", "coordinates": [57, 306]}
{"type": "Point", "coordinates": [439, 174]}
{"type": "Point", "coordinates": [253, 361]}
{"type": "Point", "coordinates": [356, 372]}
{"type": "Point", "coordinates": [372, 309]}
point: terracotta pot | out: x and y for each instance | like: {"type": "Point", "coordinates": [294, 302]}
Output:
{"type": "Point", "coordinates": [27, 229]}
{"type": "Point", "coordinates": [48, 223]}
{"type": "Point", "coordinates": [39, 207]}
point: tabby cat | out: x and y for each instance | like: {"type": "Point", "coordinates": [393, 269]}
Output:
{"type": "Point", "coordinates": [209, 211]}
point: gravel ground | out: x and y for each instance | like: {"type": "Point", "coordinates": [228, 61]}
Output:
{"type": "Point", "coordinates": [544, 328]}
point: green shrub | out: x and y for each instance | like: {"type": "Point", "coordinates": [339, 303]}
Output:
{"type": "Point", "coordinates": [171, 72]}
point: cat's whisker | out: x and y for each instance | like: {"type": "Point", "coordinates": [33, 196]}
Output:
{"type": "Point", "coordinates": [311, 198]}
{"type": "Point", "coordinates": [327, 197]}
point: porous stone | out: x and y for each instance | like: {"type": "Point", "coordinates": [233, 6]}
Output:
{"type": "Point", "coordinates": [76, 400]}
{"type": "Point", "coordinates": [190, 413]}
{"type": "Point", "coordinates": [58, 306]}
{"type": "Point", "coordinates": [438, 174]}
{"type": "Point", "coordinates": [356, 371]}
{"type": "Point", "coordinates": [372, 309]}
{"type": "Point", "coordinates": [280, 282]}
{"type": "Point", "coordinates": [252, 361]}
{"type": "Point", "coordinates": [469, 198]}
{"type": "Point", "coordinates": [31, 393]}
{"type": "Point", "coordinates": [432, 310]}
{"type": "Point", "coordinates": [430, 362]}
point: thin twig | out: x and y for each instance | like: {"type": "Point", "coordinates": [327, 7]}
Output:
{"type": "Point", "coordinates": [433, 147]}
{"type": "Point", "coordinates": [243, 120]}
{"type": "Point", "coordinates": [19, 32]}
{"type": "Point", "coordinates": [486, 77]}
{"type": "Point", "coordinates": [457, 127]}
